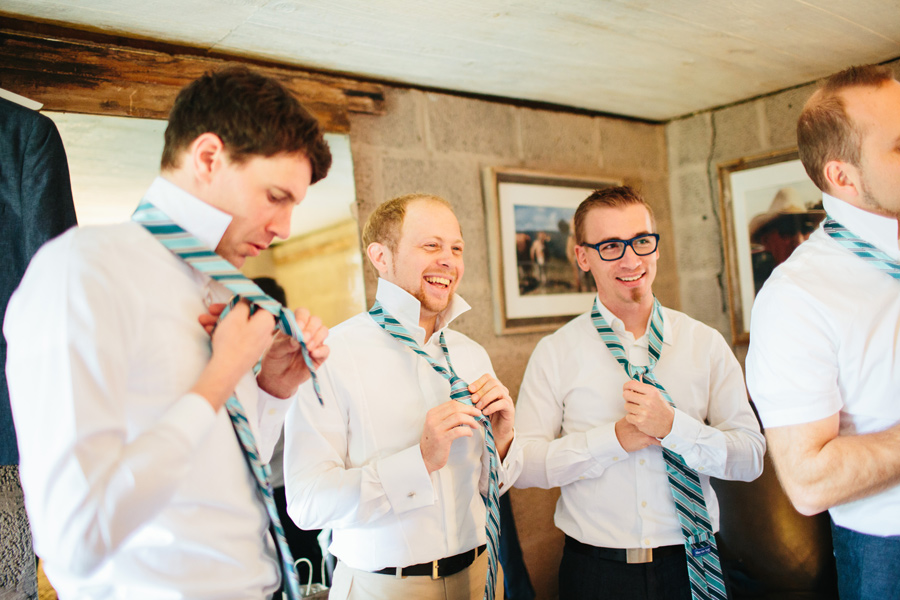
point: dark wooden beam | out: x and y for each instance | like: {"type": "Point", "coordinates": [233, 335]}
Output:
{"type": "Point", "coordinates": [76, 71]}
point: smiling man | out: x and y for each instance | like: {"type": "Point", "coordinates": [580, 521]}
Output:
{"type": "Point", "coordinates": [391, 463]}
{"type": "Point", "coordinates": [135, 481]}
{"type": "Point", "coordinates": [624, 408]}
{"type": "Point", "coordinates": [823, 366]}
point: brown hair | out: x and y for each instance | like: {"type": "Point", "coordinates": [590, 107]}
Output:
{"type": "Point", "coordinates": [252, 114]}
{"type": "Point", "coordinates": [824, 130]}
{"type": "Point", "coordinates": [611, 197]}
{"type": "Point", "coordinates": [383, 225]}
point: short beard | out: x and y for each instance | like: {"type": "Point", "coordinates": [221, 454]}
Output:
{"type": "Point", "coordinates": [872, 204]}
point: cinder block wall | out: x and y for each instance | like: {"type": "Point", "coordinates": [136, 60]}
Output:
{"type": "Point", "coordinates": [439, 143]}
{"type": "Point", "coordinates": [696, 146]}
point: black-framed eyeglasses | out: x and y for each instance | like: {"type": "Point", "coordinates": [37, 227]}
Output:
{"type": "Point", "coordinates": [642, 245]}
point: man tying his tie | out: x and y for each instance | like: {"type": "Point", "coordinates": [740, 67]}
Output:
{"type": "Point", "coordinates": [143, 444]}
{"type": "Point", "coordinates": [405, 459]}
{"type": "Point", "coordinates": [630, 408]}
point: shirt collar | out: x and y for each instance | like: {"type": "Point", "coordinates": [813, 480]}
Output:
{"type": "Point", "coordinates": [879, 231]}
{"type": "Point", "coordinates": [618, 326]}
{"type": "Point", "coordinates": [406, 308]}
{"type": "Point", "coordinates": [203, 221]}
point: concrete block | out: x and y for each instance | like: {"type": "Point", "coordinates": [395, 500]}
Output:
{"type": "Point", "coordinates": [703, 297]}
{"type": "Point", "coordinates": [688, 140]}
{"type": "Point", "coordinates": [458, 124]}
{"type": "Point", "coordinates": [738, 131]}
{"type": "Point", "coordinates": [632, 146]}
{"type": "Point", "coordinates": [559, 140]}
{"type": "Point", "coordinates": [691, 195]}
{"type": "Point", "coordinates": [782, 112]}
{"type": "Point", "coordinates": [366, 177]}
{"type": "Point", "coordinates": [698, 243]}
{"type": "Point", "coordinates": [402, 125]}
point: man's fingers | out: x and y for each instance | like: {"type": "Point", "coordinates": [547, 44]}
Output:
{"type": "Point", "coordinates": [479, 383]}
{"type": "Point", "coordinates": [499, 405]}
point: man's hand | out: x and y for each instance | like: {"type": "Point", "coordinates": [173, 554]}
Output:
{"type": "Point", "coordinates": [237, 343]}
{"type": "Point", "coordinates": [631, 439]}
{"type": "Point", "coordinates": [647, 410]}
{"type": "Point", "coordinates": [493, 399]}
{"type": "Point", "coordinates": [444, 424]}
{"type": "Point", "coordinates": [283, 367]}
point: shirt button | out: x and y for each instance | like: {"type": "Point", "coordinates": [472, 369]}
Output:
{"type": "Point", "coordinates": [644, 504]}
{"type": "Point", "coordinates": [580, 478]}
{"type": "Point", "coordinates": [615, 458]}
{"type": "Point", "coordinates": [641, 461]}
{"type": "Point", "coordinates": [699, 468]}
{"type": "Point", "coordinates": [647, 542]}
{"type": "Point", "coordinates": [272, 411]}
{"type": "Point", "coordinates": [673, 446]}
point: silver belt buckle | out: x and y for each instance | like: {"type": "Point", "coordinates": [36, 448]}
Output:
{"type": "Point", "coordinates": [638, 555]}
{"type": "Point", "coordinates": [434, 570]}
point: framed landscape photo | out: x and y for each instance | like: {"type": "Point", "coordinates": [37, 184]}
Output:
{"type": "Point", "coordinates": [768, 207]}
{"type": "Point", "coordinates": [537, 285]}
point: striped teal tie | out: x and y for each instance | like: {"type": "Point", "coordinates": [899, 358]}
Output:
{"type": "Point", "coordinates": [459, 390]}
{"type": "Point", "coordinates": [861, 248]}
{"type": "Point", "coordinates": [201, 258]}
{"type": "Point", "coordinates": [704, 570]}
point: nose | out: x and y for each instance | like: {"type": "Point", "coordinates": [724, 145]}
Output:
{"type": "Point", "coordinates": [280, 225]}
{"type": "Point", "coordinates": [448, 258]}
{"type": "Point", "coordinates": [630, 258]}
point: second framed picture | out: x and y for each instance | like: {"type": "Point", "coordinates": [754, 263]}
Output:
{"type": "Point", "coordinates": [769, 207]}
{"type": "Point", "coordinates": [537, 285]}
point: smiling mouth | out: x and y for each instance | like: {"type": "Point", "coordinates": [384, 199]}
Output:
{"type": "Point", "coordinates": [438, 281]}
{"type": "Point", "coordinates": [630, 279]}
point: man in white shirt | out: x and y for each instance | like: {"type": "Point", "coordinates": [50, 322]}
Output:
{"type": "Point", "coordinates": [135, 482]}
{"type": "Point", "coordinates": [586, 426]}
{"type": "Point", "coordinates": [823, 367]}
{"type": "Point", "coordinates": [390, 463]}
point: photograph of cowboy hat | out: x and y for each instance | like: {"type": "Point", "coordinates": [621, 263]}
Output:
{"type": "Point", "coordinates": [770, 206]}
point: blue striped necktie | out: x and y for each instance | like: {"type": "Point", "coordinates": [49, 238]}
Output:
{"type": "Point", "coordinates": [197, 255]}
{"type": "Point", "coordinates": [459, 391]}
{"type": "Point", "coordinates": [704, 570]}
{"type": "Point", "coordinates": [861, 248]}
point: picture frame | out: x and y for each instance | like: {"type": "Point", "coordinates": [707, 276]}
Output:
{"type": "Point", "coordinates": [536, 285]}
{"type": "Point", "coordinates": [768, 205]}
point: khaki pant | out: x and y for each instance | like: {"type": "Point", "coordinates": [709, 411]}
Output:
{"type": "Point", "coordinates": [468, 584]}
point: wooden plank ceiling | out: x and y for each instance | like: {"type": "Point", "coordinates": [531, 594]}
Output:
{"type": "Point", "coordinates": [650, 59]}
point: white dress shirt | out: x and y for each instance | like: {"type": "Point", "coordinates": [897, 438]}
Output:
{"type": "Point", "coordinates": [571, 398]}
{"type": "Point", "coordinates": [134, 488]}
{"type": "Point", "coordinates": [823, 340]}
{"type": "Point", "coordinates": [354, 465]}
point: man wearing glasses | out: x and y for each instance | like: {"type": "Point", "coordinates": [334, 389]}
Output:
{"type": "Point", "coordinates": [623, 408]}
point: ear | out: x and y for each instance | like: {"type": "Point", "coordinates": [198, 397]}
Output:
{"type": "Point", "coordinates": [380, 257]}
{"type": "Point", "coordinates": [843, 179]}
{"type": "Point", "coordinates": [581, 257]}
{"type": "Point", "coordinates": [207, 155]}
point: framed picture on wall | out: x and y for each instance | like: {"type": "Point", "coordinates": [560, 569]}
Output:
{"type": "Point", "coordinates": [537, 285]}
{"type": "Point", "coordinates": [768, 207]}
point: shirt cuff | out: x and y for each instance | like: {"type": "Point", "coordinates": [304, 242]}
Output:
{"type": "Point", "coordinates": [273, 408]}
{"type": "Point", "coordinates": [406, 481]}
{"type": "Point", "coordinates": [604, 446]}
{"type": "Point", "coordinates": [684, 435]}
{"type": "Point", "coordinates": [508, 466]}
{"type": "Point", "coordinates": [192, 417]}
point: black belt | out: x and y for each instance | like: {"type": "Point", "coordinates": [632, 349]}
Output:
{"type": "Point", "coordinates": [625, 555]}
{"type": "Point", "coordinates": [444, 567]}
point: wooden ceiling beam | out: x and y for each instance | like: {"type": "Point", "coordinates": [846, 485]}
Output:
{"type": "Point", "coordinates": [75, 71]}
